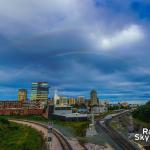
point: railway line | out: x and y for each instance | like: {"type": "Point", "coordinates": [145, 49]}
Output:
{"type": "Point", "coordinates": [65, 145]}
{"type": "Point", "coordinates": [123, 143]}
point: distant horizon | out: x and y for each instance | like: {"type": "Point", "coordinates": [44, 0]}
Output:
{"type": "Point", "coordinates": [130, 101]}
{"type": "Point", "coordinates": [86, 93]}
{"type": "Point", "coordinates": [76, 46]}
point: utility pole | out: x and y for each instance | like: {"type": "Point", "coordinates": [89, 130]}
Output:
{"type": "Point", "coordinates": [49, 136]}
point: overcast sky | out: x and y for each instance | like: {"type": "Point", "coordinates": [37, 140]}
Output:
{"type": "Point", "coordinates": [76, 45]}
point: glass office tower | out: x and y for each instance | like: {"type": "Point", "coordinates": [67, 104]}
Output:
{"type": "Point", "coordinates": [39, 91]}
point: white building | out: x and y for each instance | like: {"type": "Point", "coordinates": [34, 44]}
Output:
{"type": "Point", "coordinates": [104, 103]}
{"type": "Point", "coordinates": [103, 109]}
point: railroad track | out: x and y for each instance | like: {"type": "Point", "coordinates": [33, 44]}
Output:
{"type": "Point", "coordinates": [61, 138]}
{"type": "Point", "coordinates": [123, 143]}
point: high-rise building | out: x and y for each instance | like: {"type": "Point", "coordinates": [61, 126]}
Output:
{"type": "Point", "coordinates": [72, 101]}
{"type": "Point", "coordinates": [22, 95]}
{"type": "Point", "coordinates": [39, 91]}
{"type": "Point", "coordinates": [63, 101]}
{"type": "Point", "coordinates": [80, 100]}
{"type": "Point", "coordinates": [94, 99]}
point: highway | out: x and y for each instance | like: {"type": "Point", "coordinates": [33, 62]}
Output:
{"type": "Point", "coordinates": [123, 143]}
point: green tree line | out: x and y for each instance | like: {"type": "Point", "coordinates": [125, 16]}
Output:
{"type": "Point", "coordinates": [142, 112]}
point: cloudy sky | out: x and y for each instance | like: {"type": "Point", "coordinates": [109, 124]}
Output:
{"type": "Point", "coordinates": [76, 45]}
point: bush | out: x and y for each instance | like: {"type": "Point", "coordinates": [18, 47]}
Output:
{"type": "Point", "coordinates": [4, 121]}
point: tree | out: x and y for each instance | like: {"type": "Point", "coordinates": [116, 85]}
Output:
{"type": "Point", "coordinates": [142, 112]}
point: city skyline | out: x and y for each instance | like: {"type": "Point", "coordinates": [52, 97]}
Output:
{"type": "Point", "coordinates": [76, 46]}
{"type": "Point", "coordinates": [42, 86]}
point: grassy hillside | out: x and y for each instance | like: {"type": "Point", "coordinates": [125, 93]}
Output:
{"type": "Point", "coordinates": [76, 128]}
{"type": "Point", "coordinates": [18, 137]}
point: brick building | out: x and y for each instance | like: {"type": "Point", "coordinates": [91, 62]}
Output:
{"type": "Point", "coordinates": [21, 111]}
{"type": "Point", "coordinates": [10, 104]}
{"type": "Point", "coordinates": [17, 108]}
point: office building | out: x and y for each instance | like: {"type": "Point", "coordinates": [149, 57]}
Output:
{"type": "Point", "coordinates": [22, 95]}
{"type": "Point", "coordinates": [80, 100]}
{"type": "Point", "coordinates": [39, 91]}
{"type": "Point", "coordinates": [71, 101]}
{"type": "Point", "coordinates": [63, 101]}
{"type": "Point", "coordinates": [9, 104]}
{"type": "Point", "coordinates": [94, 99]}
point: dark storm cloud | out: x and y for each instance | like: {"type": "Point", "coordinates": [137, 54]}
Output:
{"type": "Point", "coordinates": [76, 46]}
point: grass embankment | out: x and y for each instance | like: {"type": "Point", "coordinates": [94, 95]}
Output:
{"type": "Point", "coordinates": [120, 126]}
{"type": "Point", "coordinates": [77, 128]}
{"type": "Point", "coordinates": [28, 117]}
{"type": "Point", "coordinates": [114, 124]}
{"type": "Point", "coordinates": [18, 137]}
